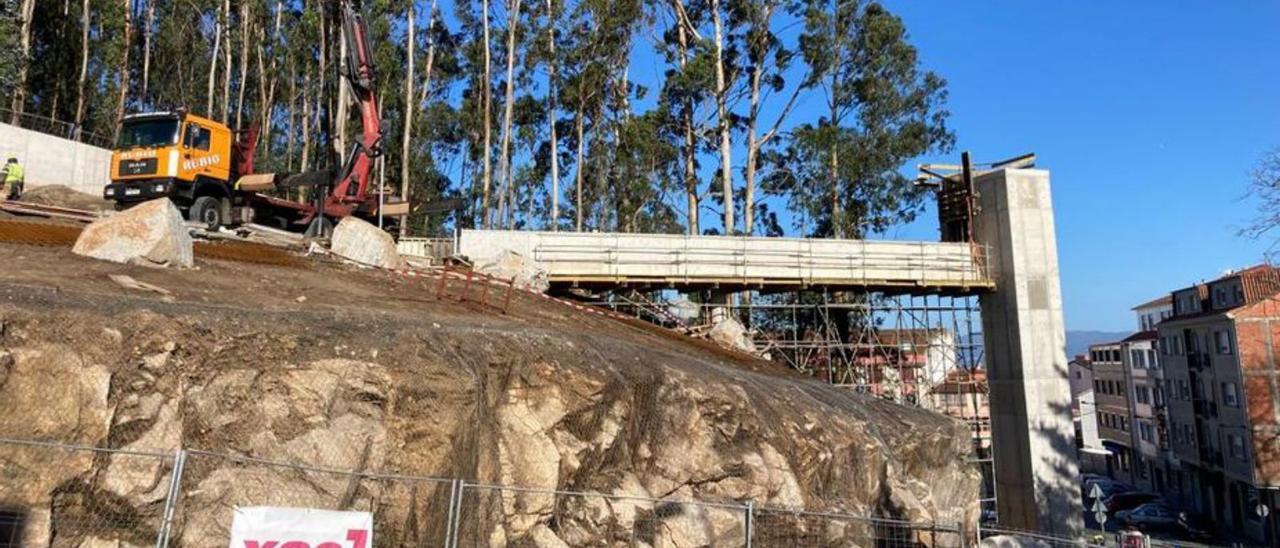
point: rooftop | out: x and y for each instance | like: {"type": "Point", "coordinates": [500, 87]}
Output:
{"type": "Point", "coordinates": [1167, 299]}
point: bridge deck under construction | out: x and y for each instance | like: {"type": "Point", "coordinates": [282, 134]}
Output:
{"type": "Point", "coordinates": [612, 260]}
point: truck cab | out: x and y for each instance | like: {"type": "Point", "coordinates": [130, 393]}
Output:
{"type": "Point", "coordinates": [178, 155]}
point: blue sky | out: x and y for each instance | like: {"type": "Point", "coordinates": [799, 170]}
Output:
{"type": "Point", "coordinates": [1149, 115]}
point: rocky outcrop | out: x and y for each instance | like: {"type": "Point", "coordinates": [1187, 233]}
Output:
{"type": "Point", "coordinates": [150, 234]}
{"type": "Point", "coordinates": [529, 403]}
{"type": "Point", "coordinates": [365, 244]}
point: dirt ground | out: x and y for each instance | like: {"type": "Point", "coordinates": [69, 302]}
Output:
{"type": "Point", "coordinates": [315, 289]}
{"type": "Point", "coordinates": [62, 196]}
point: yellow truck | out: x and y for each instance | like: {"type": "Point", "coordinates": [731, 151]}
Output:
{"type": "Point", "coordinates": [207, 170]}
{"type": "Point", "coordinates": [192, 160]}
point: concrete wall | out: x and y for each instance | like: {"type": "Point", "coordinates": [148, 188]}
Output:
{"type": "Point", "coordinates": [50, 160]}
{"type": "Point", "coordinates": [673, 258]}
{"type": "Point", "coordinates": [1037, 483]}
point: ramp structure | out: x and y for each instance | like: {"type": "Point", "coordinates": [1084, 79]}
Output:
{"type": "Point", "coordinates": [1003, 253]}
{"type": "Point", "coordinates": [610, 260]}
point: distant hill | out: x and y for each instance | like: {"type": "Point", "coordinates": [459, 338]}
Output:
{"type": "Point", "coordinates": [1078, 341]}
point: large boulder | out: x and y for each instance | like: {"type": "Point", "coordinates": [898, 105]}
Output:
{"type": "Point", "coordinates": [730, 333]}
{"type": "Point", "coordinates": [151, 233]}
{"type": "Point", "coordinates": [527, 273]}
{"type": "Point", "coordinates": [366, 244]}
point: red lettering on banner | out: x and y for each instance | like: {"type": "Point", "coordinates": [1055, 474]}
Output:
{"type": "Point", "coordinates": [358, 537]}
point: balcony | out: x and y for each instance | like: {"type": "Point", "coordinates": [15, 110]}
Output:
{"type": "Point", "coordinates": [1209, 456]}
{"type": "Point", "coordinates": [1204, 408]}
{"type": "Point", "coordinates": [1198, 361]}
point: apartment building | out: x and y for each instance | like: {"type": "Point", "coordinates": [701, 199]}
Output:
{"type": "Point", "coordinates": [1084, 414]}
{"type": "Point", "coordinates": [1220, 350]}
{"type": "Point", "coordinates": [1111, 398]}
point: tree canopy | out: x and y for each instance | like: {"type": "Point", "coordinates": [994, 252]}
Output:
{"type": "Point", "coordinates": [697, 116]}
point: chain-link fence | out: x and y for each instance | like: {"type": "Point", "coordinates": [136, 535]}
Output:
{"type": "Point", "coordinates": [71, 496]}
{"type": "Point", "coordinates": [1002, 536]}
{"type": "Point", "coordinates": [64, 495]}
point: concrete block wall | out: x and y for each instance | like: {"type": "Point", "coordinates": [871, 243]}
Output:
{"type": "Point", "coordinates": [50, 160]}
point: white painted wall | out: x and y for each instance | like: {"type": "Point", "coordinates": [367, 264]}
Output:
{"type": "Point", "coordinates": [49, 160]}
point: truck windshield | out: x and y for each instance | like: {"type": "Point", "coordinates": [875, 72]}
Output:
{"type": "Point", "coordinates": [155, 132]}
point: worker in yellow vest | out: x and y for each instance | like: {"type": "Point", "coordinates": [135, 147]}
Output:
{"type": "Point", "coordinates": [13, 178]}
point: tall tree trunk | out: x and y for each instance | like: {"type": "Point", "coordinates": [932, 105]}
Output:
{"type": "Point", "coordinates": [84, 66]}
{"type": "Point", "coordinates": [411, 24]}
{"type": "Point", "coordinates": [246, 33]}
{"type": "Point", "coordinates": [552, 82]}
{"type": "Point", "coordinates": [722, 115]}
{"type": "Point", "coordinates": [487, 99]}
{"type": "Point", "coordinates": [304, 163]}
{"type": "Point", "coordinates": [344, 98]}
{"type": "Point", "coordinates": [577, 124]}
{"type": "Point", "coordinates": [422, 103]}
{"type": "Point", "coordinates": [513, 23]}
{"type": "Point", "coordinates": [213, 62]}
{"type": "Point", "coordinates": [686, 117]}
{"type": "Point", "coordinates": [124, 69]}
{"type": "Point", "coordinates": [267, 82]}
{"type": "Point", "coordinates": [293, 104]}
{"type": "Point", "coordinates": [20, 93]}
{"type": "Point", "coordinates": [833, 169]}
{"type": "Point", "coordinates": [146, 52]}
{"type": "Point", "coordinates": [226, 61]}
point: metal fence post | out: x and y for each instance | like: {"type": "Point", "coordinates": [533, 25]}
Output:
{"type": "Point", "coordinates": [751, 521]}
{"type": "Point", "coordinates": [456, 488]}
{"type": "Point", "coordinates": [171, 499]}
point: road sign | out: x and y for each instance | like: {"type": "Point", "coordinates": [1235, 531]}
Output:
{"type": "Point", "coordinates": [1099, 511]}
{"type": "Point", "coordinates": [1096, 492]}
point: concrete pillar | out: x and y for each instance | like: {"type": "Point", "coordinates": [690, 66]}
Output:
{"type": "Point", "coordinates": [1033, 442]}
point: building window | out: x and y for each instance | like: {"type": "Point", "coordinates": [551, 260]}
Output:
{"type": "Point", "coordinates": [1143, 394]}
{"type": "Point", "coordinates": [1151, 359]}
{"type": "Point", "coordinates": [1124, 424]}
{"type": "Point", "coordinates": [1138, 357]}
{"type": "Point", "coordinates": [1157, 395]}
{"type": "Point", "coordinates": [1237, 446]}
{"type": "Point", "coordinates": [1223, 342]}
{"type": "Point", "coordinates": [1230, 394]}
{"type": "Point", "coordinates": [1184, 390]}
{"type": "Point", "coordinates": [1145, 432]}
{"type": "Point", "coordinates": [1177, 346]}
{"type": "Point", "coordinates": [1238, 293]}
{"type": "Point", "coordinates": [1164, 345]}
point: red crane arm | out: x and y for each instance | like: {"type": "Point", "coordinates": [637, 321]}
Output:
{"type": "Point", "coordinates": [359, 73]}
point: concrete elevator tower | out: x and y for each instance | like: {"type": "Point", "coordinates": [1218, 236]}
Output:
{"type": "Point", "coordinates": [1033, 442]}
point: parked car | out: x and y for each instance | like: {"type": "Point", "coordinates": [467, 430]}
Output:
{"type": "Point", "coordinates": [1152, 516]}
{"type": "Point", "coordinates": [1128, 500]}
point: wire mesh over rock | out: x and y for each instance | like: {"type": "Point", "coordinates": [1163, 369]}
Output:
{"type": "Point", "coordinates": [569, 428]}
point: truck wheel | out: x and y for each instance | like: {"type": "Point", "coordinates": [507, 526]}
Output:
{"type": "Point", "coordinates": [205, 210]}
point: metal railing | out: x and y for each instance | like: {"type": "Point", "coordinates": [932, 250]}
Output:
{"type": "Point", "coordinates": [435, 249]}
{"type": "Point", "coordinates": [56, 128]}
{"type": "Point", "coordinates": [92, 496]}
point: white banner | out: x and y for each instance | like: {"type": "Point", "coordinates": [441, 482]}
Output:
{"type": "Point", "coordinates": [272, 527]}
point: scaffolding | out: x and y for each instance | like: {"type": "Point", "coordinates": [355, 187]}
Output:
{"type": "Point", "coordinates": [922, 350]}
